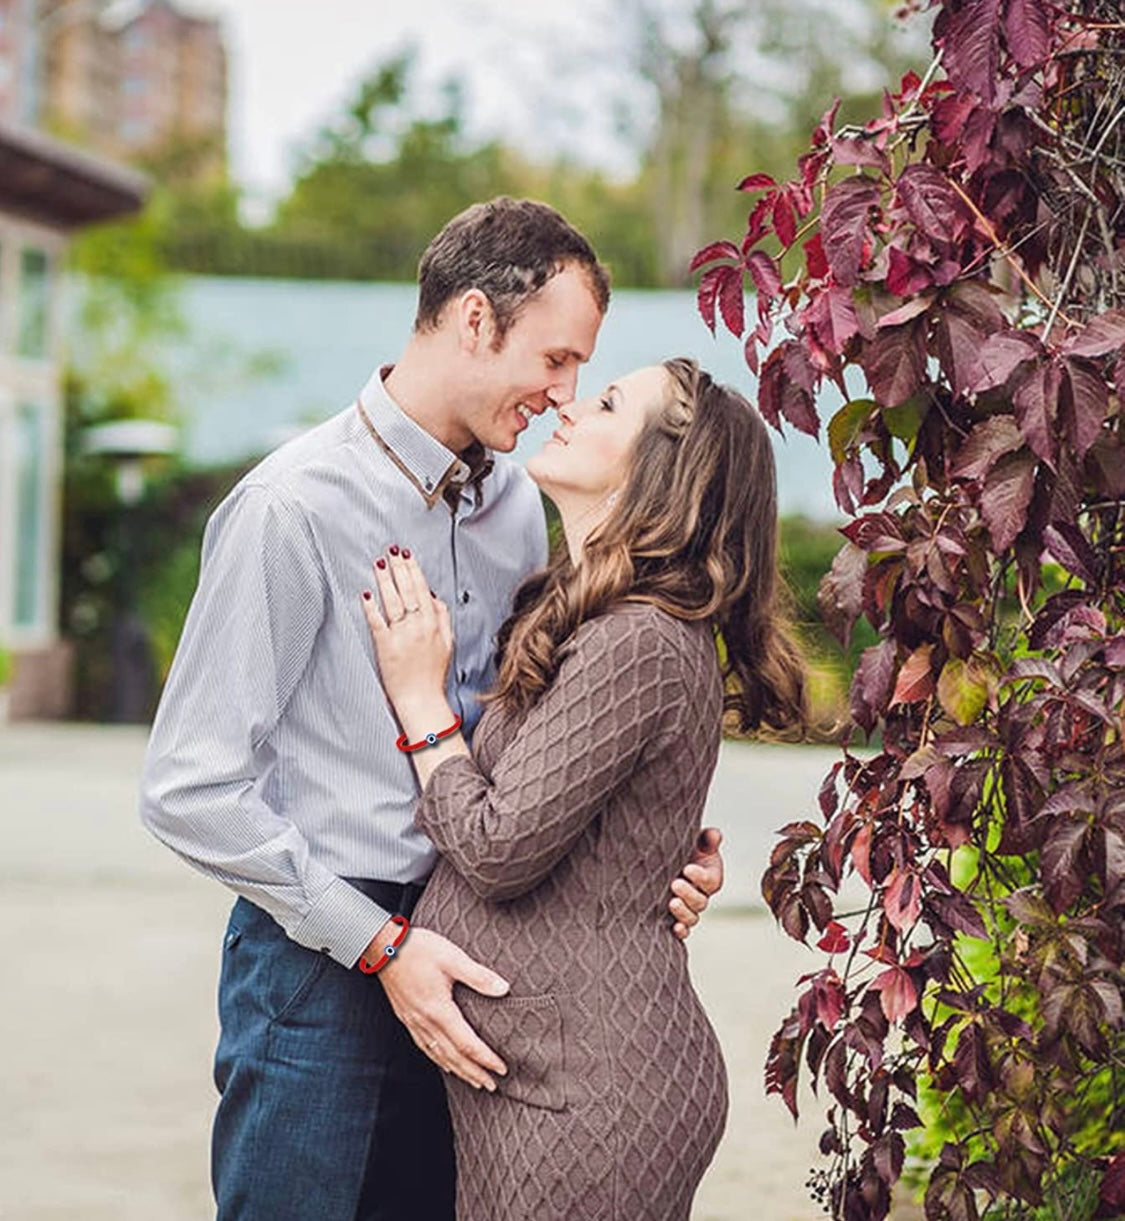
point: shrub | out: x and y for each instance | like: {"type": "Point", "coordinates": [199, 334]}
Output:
{"type": "Point", "coordinates": [962, 253]}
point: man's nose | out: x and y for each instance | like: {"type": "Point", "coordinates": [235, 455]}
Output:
{"type": "Point", "coordinates": [564, 389]}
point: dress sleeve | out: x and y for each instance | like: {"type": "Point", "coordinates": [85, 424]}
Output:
{"type": "Point", "coordinates": [618, 693]}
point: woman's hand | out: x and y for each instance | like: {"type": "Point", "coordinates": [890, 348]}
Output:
{"type": "Point", "coordinates": [411, 630]}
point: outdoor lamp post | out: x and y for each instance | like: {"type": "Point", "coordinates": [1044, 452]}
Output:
{"type": "Point", "coordinates": [127, 443]}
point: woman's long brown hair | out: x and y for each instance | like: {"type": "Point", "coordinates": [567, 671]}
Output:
{"type": "Point", "coordinates": [694, 532]}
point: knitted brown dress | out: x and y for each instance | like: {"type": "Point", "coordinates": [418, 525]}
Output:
{"type": "Point", "coordinates": [559, 840]}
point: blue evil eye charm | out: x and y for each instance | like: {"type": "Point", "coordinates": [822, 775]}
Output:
{"type": "Point", "coordinates": [431, 738]}
{"type": "Point", "coordinates": [390, 951]}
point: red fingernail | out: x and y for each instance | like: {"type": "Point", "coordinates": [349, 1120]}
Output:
{"type": "Point", "coordinates": [393, 549]}
{"type": "Point", "coordinates": [380, 563]}
{"type": "Point", "coordinates": [406, 553]}
{"type": "Point", "coordinates": [367, 595]}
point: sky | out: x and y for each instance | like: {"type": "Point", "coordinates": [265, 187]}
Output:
{"type": "Point", "coordinates": [293, 63]}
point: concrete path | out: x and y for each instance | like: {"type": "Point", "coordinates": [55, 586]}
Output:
{"type": "Point", "coordinates": [109, 948]}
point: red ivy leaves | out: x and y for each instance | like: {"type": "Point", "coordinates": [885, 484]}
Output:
{"type": "Point", "coordinates": [970, 41]}
{"type": "Point", "coordinates": [845, 223]}
{"type": "Point", "coordinates": [987, 443]}
{"type": "Point", "coordinates": [916, 678]}
{"type": "Point", "coordinates": [902, 900]}
{"type": "Point", "coordinates": [1006, 496]}
{"type": "Point", "coordinates": [897, 994]}
{"type": "Point", "coordinates": [1101, 336]}
{"type": "Point", "coordinates": [722, 286]}
{"type": "Point", "coordinates": [835, 939]}
{"type": "Point", "coordinates": [1027, 25]}
{"type": "Point", "coordinates": [787, 386]}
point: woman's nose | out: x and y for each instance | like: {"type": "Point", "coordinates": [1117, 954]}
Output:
{"type": "Point", "coordinates": [577, 408]}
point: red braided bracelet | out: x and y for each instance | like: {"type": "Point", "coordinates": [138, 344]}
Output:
{"type": "Point", "coordinates": [388, 950]}
{"type": "Point", "coordinates": [430, 738]}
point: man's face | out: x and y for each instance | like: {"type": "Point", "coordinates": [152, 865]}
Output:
{"type": "Point", "coordinates": [536, 367]}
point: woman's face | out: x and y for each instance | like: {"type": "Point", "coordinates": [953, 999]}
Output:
{"type": "Point", "coordinates": [589, 451]}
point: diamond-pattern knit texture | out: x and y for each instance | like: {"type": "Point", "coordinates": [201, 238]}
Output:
{"type": "Point", "coordinates": [560, 837]}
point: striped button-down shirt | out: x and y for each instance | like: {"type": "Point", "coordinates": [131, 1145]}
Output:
{"type": "Point", "coordinates": [272, 764]}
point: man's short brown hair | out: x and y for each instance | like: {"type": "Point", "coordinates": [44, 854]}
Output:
{"type": "Point", "coordinates": [508, 249]}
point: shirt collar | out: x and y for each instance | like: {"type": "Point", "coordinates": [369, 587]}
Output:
{"type": "Point", "coordinates": [436, 471]}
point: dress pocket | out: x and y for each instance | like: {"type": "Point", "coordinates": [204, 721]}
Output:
{"type": "Point", "coordinates": [527, 1033]}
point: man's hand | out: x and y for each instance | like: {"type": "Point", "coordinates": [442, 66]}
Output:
{"type": "Point", "coordinates": [418, 982]}
{"type": "Point", "coordinates": [702, 877]}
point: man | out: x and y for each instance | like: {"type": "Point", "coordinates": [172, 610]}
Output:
{"type": "Point", "coordinates": [273, 765]}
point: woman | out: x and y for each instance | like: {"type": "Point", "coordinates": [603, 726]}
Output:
{"type": "Point", "coordinates": [585, 789]}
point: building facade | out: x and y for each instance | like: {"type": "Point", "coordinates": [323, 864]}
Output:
{"type": "Point", "coordinates": [47, 191]}
{"type": "Point", "coordinates": [17, 89]}
{"type": "Point", "coordinates": [129, 89]}
{"type": "Point", "coordinates": [79, 76]}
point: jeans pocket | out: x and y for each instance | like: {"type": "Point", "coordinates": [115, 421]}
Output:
{"type": "Point", "coordinates": [295, 971]}
{"type": "Point", "coordinates": [265, 976]}
{"type": "Point", "coordinates": [527, 1033]}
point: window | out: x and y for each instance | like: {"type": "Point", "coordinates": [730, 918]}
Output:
{"type": "Point", "coordinates": [30, 570]}
{"type": "Point", "coordinates": [34, 303]}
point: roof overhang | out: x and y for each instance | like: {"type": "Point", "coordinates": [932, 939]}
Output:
{"type": "Point", "coordinates": [56, 184]}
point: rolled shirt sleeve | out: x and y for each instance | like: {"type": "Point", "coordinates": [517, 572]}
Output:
{"type": "Point", "coordinates": [247, 642]}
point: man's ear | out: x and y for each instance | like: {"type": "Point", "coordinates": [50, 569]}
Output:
{"type": "Point", "coordinates": [475, 321]}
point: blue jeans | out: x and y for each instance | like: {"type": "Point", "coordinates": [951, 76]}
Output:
{"type": "Point", "coordinates": [328, 1111]}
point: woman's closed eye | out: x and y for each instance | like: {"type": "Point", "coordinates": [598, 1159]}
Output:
{"type": "Point", "coordinates": [606, 403]}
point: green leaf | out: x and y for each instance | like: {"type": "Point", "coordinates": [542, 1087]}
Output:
{"type": "Point", "coordinates": [963, 689]}
{"type": "Point", "coordinates": [905, 420]}
{"type": "Point", "coordinates": [846, 425]}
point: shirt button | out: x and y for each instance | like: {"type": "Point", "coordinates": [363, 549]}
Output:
{"type": "Point", "coordinates": [465, 596]}
{"type": "Point", "coordinates": [429, 485]}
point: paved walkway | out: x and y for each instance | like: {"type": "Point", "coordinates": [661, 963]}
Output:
{"type": "Point", "coordinates": [110, 946]}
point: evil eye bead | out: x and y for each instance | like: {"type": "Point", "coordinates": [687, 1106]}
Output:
{"type": "Point", "coordinates": [431, 738]}
{"type": "Point", "coordinates": [390, 951]}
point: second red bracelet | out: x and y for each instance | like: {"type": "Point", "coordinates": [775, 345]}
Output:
{"type": "Point", "coordinates": [430, 738]}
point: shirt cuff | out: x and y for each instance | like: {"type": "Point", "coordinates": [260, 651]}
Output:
{"type": "Point", "coordinates": [342, 923]}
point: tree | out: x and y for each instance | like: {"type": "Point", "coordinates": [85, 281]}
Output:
{"type": "Point", "coordinates": [380, 180]}
{"type": "Point", "coordinates": [721, 78]}
{"type": "Point", "coordinates": [961, 252]}
{"type": "Point", "coordinates": [691, 84]}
